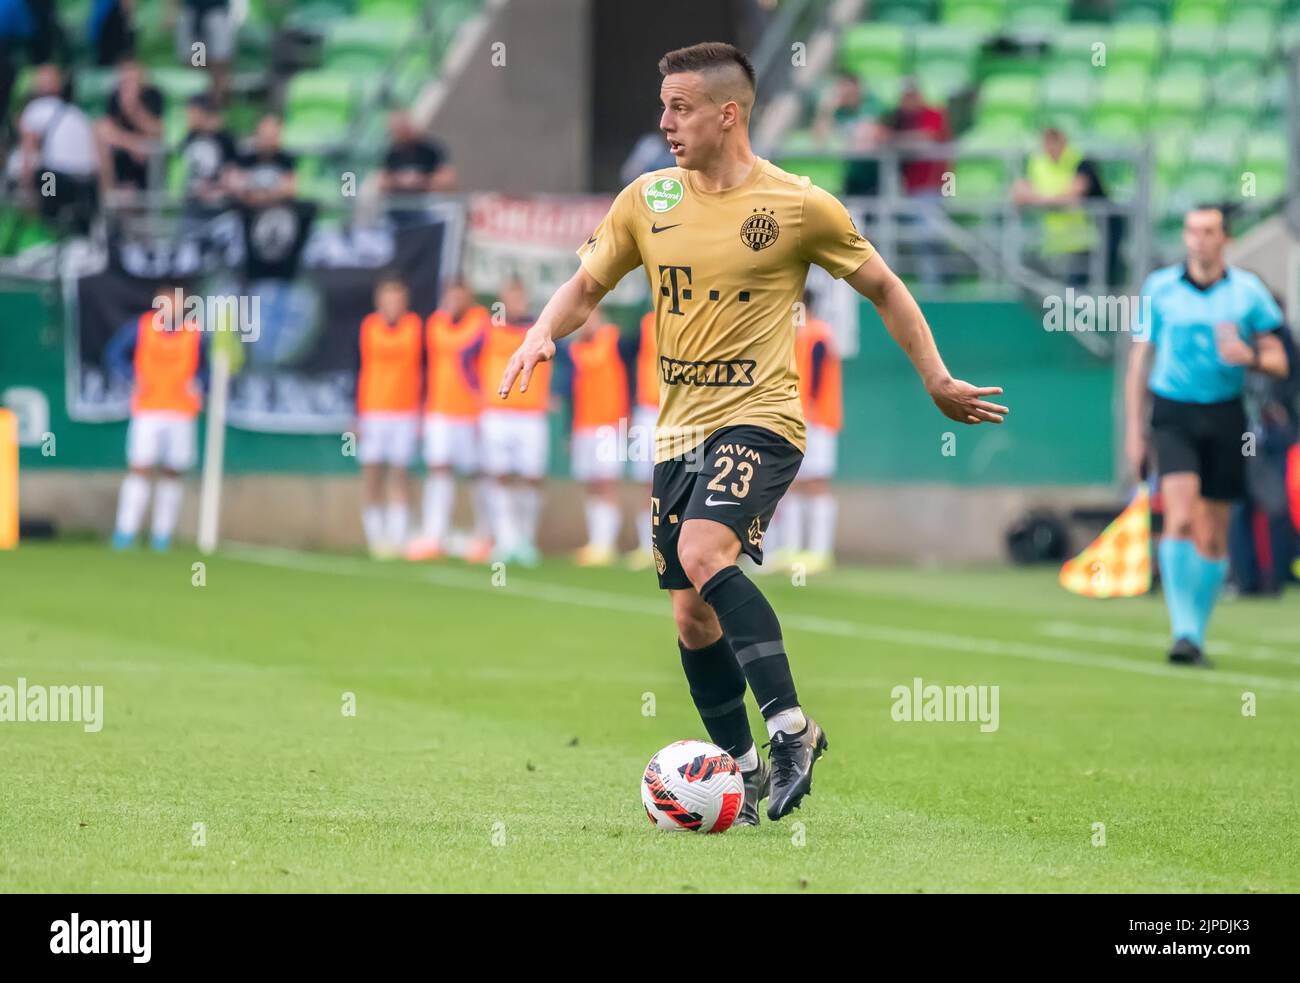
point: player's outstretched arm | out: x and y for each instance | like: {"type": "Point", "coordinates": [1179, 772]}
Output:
{"type": "Point", "coordinates": [564, 313]}
{"type": "Point", "coordinates": [897, 307]}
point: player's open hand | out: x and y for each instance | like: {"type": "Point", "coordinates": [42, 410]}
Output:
{"type": "Point", "coordinates": [961, 401]}
{"type": "Point", "coordinates": [533, 349]}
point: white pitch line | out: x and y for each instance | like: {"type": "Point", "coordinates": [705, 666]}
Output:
{"type": "Point", "coordinates": [604, 600]}
{"type": "Point", "coordinates": [1124, 636]}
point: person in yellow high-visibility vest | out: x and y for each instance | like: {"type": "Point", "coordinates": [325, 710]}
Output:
{"type": "Point", "coordinates": [1056, 178]}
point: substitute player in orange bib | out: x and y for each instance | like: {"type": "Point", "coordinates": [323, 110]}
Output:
{"type": "Point", "coordinates": [164, 353]}
{"type": "Point", "coordinates": [453, 401]}
{"type": "Point", "coordinates": [388, 415]}
{"type": "Point", "coordinates": [599, 408]}
{"type": "Point", "coordinates": [726, 239]}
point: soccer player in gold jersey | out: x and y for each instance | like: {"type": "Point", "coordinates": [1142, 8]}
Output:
{"type": "Point", "coordinates": [726, 239]}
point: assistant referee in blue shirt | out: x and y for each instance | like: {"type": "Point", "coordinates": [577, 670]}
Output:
{"type": "Point", "coordinates": [1206, 324]}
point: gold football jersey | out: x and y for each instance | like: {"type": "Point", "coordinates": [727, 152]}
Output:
{"type": "Point", "coordinates": [726, 272]}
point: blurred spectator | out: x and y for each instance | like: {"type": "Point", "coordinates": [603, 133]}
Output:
{"type": "Point", "coordinates": [649, 153]}
{"type": "Point", "coordinates": [415, 163]}
{"type": "Point", "coordinates": [208, 152]}
{"type": "Point", "coordinates": [205, 38]}
{"type": "Point", "coordinates": [1056, 178]}
{"type": "Point", "coordinates": [131, 130]}
{"type": "Point", "coordinates": [848, 118]}
{"type": "Point", "coordinates": [57, 160]}
{"type": "Point", "coordinates": [265, 174]}
{"type": "Point", "coordinates": [111, 31]}
{"type": "Point", "coordinates": [1261, 536]}
{"type": "Point", "coordinates": [916, 125]}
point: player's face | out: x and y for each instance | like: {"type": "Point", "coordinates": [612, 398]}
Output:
{"type": "Point", "coordinates": [1204, 235]}
{"type": "Point", "coordinates": [458, 300]}
{"type": "Point", "coordinates": [691, 121]}
{"type": "Point", "coordinates": [391, 301]}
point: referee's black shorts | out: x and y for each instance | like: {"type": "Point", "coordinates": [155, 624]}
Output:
{"type": "Point", "coordinates": [1204, 438]}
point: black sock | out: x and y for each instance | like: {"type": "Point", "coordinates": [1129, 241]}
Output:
{"type": "Point", "coordinates": [751, 626]}
{"type": "Point", "coordinates": [718, 689]}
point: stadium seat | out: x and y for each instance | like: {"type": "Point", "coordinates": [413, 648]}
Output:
{"type": "Point", "coordinates": [870, 50]}
{"type": "Point", "coordinates": [1179, 96]}
{"type": "Point", "coordinates": [904, 12]}
{"type": "Point", "coordinates": [1247, 47]}
{"type": "Point", "coordinates": [1135, 45]}
{"type": "Point", "coordinates": [1265, 157]}
{"type": "Point", "coordinates": [1068, 98]}
{"type": "Point", "coordinates": [1192, 48]}
{"type": "Point", "coordinates": [1037, 14]}
{"type": "Point", "coordinates": [318, 108]}
{"type": "Point", "coordinates": [92, 87]}
{"type": "Point", "coordinates": [1014, 94]}
{"type": "Point", "coordinates": [825, 173]}
{"type": "Point", "coordinates": [981, 180]}
{"type": "Point", "coordinates": [179, 84]}
{"type": "Point", "coordinates": [987, 15]}
{"type": "Point", "coordinates": [1074, 45]}
{"type": "Point", "coordinates": [391, 10]}
{"type": "Point", "coordinates": [363, 47]}
{"type": "Point", "coordinates": [1142, 12]}
{"type": "Point", "coordinates": [1201, 13]}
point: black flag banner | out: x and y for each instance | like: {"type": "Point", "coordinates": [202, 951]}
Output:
{"type": "Point", "coordinates": [294, 286]}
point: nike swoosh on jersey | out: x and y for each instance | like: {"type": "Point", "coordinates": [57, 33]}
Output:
{"type": "Point", "coordinates": [656, 229]}
{"type": "Point", "coordinates": [721, 501]}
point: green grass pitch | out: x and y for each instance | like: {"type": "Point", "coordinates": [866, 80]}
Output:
{"type": "Point", "coordinates": [500, 733]}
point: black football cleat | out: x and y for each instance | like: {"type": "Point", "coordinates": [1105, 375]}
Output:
{"type": "Point", "coordinates": [1187, 653]}
{"type": "Point", "coordinates": [757, 784]}
{"type": "Point", "coordinates": [793, 757]}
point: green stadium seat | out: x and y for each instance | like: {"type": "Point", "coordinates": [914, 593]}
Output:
{"type": "Point", "coordinates": [92, 86]}
{"type": "Point", "coordinates": [981, 180]}
{"type": "Point", "coordinates": [985, 15]}
{"type": "Point", "coordinates": [1266, 157]}
{"type": "Point", "coordinates": [1180, 95]}
{"type": "Point", "coordinates": [391, 10]}
{"type": "Point", "coordinates": [1015, 93]}
{"type": "Point", "coordinates": [1241, 92]}
{"type": "Point", "coordinates": [1206, 13]}
{"type": "Point", "coordinates": [904, 12]}
{"type": "Point", "coordinates": [1037, 14]}
{"type": "Point", "coordinates": [318, 108]}
{"type": "Point", "coordinates": [941, 43]}
{"type": "Point", "coordinates": [1076, 44]}
{"type": "Point", "coordinates": [870, 50]}
{"type": "Point", "coordinates": [1142, 12]}
{"type": "Point", "coordinates": [1192, 48]}
{"type": "Point", "coordinates": [362, 47]}
{"type": "Point", "coordinates": [941, 81]}
{"type": "Point", "coordinates": [315, 14]}
{"type": "Point", "coordinates": [825, 173]}
{"type": "Point", "coordinates": [1247, 47]}
{"type": "Point", "coordinates": [1137, 45]}
{"type": "Point", "coordinates": [1070, 91]}
{"type": "Point", "coordinates": [1210, 148]}
{"type": "Point", "coordinates": [178, 85]}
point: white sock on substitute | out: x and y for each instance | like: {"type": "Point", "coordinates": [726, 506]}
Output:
{"type": "Point", "coordinates": [749, 760]}
{"type": "Point", "coordinates": [503, 518]}
{"type": "Point", "coordinates": [821, 524]}
{"type": "Point", "coordinates": [372, 521]}
{"type": "Point", "coordinates": [528, 506]}
{"type": "Point", "coordinates": [790, 721]}
{"type": "Point", "coordinates": [603, 522]}
{"type": "Point", "coordinates": [132, 500]}
{"type": "Point", "coordinates": [792, 520]}
{"type": "Point", "coordinates": [396, 519]}
{"type": "Point", "coordinates": [644, 531]}
{"type": "Point", "coordinates": [166, 507]}
{"type": "Point", "coordinates": [439, 500]}
{"type": "Point", "coordinates": [482, 508]}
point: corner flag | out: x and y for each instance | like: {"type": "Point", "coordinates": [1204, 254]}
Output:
{"type": "Point", "coordinates": [1118, 562]}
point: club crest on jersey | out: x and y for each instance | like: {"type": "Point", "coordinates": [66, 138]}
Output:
{"type": "Point", "coordinates": [760, 230]}
{"type": "Point", "coordinates": [663, 194]}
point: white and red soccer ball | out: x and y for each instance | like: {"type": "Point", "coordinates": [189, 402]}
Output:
{"type": "Point", "coordinates": [694, 786]}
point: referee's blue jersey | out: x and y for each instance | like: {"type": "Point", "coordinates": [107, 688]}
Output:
{"type": "Point", "coordinates": [1179, 318]}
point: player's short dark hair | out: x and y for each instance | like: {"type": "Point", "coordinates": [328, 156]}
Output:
{"type": "Point", "coordinates": [389, 278]}
{"type": "Point", "coordinates": [706, 55]}
{"type": "Point", "coordinates": [1224, 210]}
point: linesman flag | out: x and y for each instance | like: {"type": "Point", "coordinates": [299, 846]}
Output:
{"type": "Point", "coordinates": [1118, 562]}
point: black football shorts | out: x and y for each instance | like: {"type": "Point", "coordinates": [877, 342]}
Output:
{"type": "Point", "coordinates": [1203, 438]}
{"type": "Point", "coordinates": [736, 477]}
